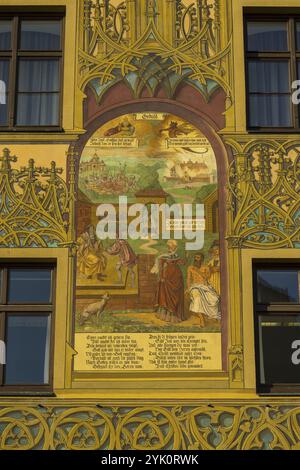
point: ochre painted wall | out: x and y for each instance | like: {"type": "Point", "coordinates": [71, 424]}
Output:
{"type": "Point", "coordinates": [211, 96]}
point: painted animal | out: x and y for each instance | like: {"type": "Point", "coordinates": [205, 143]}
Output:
{"type": "Point", "coordinates": [94, 310]}
{"type": "Point", "coordinates": [176, 130]}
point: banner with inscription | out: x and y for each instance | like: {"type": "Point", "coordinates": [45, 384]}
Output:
{"type": "Point", "coordinates": [148, 289]}
{"type": "Point", "coordinates": [148, 351]}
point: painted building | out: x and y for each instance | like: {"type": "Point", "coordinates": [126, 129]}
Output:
{"type": "Point", "coordinates": [146, 343]}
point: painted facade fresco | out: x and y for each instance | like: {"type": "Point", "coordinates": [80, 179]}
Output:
{"type": "Point", "coordinates": [112, 344]}
{"type": "Point", "coordinates": [151, 284]}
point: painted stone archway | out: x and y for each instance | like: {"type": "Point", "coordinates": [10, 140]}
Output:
{"type": "Point", "coordinates": [139, 300]}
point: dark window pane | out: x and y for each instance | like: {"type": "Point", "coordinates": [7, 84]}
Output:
{"type": "Point", "coordinates": [268, 76]}
{"type": "Point", "coordinates": [27, 353]}
{"type": "Point", "coordinates": [29, 285]}
{"type": "Point", "coordinates": [4, 96]}
{"type": "Point", "coordinates": [270, 111]}
{"type": "Point", "coordinates": [298, 36]}
{"type": "Point", "coordinates": [40, 35]}
{"type": "Point", "coordinates": [277, 286]}
{"type": "Point", "coordinates": [5, 35]}
{"type": "Point", "coordinates": [38, 93]}
{"type": "Point", "coordinates": [38, 75]}
{"type": "Point", "coordinates": [41, 109]}
{"type": "Point", "coordinates": [268, 36]}
{"type": "Point", "coordinates": [276, 339]}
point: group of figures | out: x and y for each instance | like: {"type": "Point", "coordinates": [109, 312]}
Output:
{"type": "Point", "coordinates": [202, 289]}
{"type": "Point", "coordinates": [152, 159]}
{"type": "Point", "coordinates": [92, 257]}
{"type": "Point", "coordinates": [203, 286]}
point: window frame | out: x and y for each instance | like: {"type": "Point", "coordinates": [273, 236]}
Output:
{"type": "Point", "coordinates": [27, 309]}
{"type": "Point", "coordinates": [273, 309]}
{"type": "Point", "coordinates": [291, 56]}
{"type": "Point", "coordinates": [15, 54]}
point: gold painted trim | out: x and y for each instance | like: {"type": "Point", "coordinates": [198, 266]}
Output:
{"type": "Point", "coordinates": [121, 425]}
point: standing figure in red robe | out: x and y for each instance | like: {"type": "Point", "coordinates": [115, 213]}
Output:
{"type": "Point", "coordinates": [170, 291]}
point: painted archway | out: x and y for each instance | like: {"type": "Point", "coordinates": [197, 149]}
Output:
{"type": "Point", "coordinates": [119, 132]}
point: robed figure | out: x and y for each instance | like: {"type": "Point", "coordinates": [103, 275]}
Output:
{"type": "Point", "coordinates": [91, 260]}
{"type": "Point", "coordinates": [127, 258]}
{"type": "Point", "coordinates": [170, 290]}
{"type": "Point", "coordinates": [205, 301]}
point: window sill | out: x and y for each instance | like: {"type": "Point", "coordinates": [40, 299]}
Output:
{"type": "Point", "coordinates": [38, 129]}
{"type": "Point", "coordinates": [33, 136]}
{"type": "Point", "coordinates": [26, 394]}
{"type": "Point", "coordinates": [295, 394]}
{"type": "Point", "coordinates": [273, 131]}
{"type": "Point", "coordinates": [284, 390]}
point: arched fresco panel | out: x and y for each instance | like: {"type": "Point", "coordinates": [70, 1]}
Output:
{"type": "Point", "coordinates": [148, 290]}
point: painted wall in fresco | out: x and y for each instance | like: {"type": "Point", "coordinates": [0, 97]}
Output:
{"type": "Point", "coordinates": [147, 287]}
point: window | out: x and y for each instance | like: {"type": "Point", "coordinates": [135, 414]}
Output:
{"type": "Point", "coordinates": [277, 328]}
{"type": "Point", "coordinates": [30, 71]}
{"type": "Point", "coordinates": [272, 65]}
{"type": "Point", "coordinates": [26, 325]}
